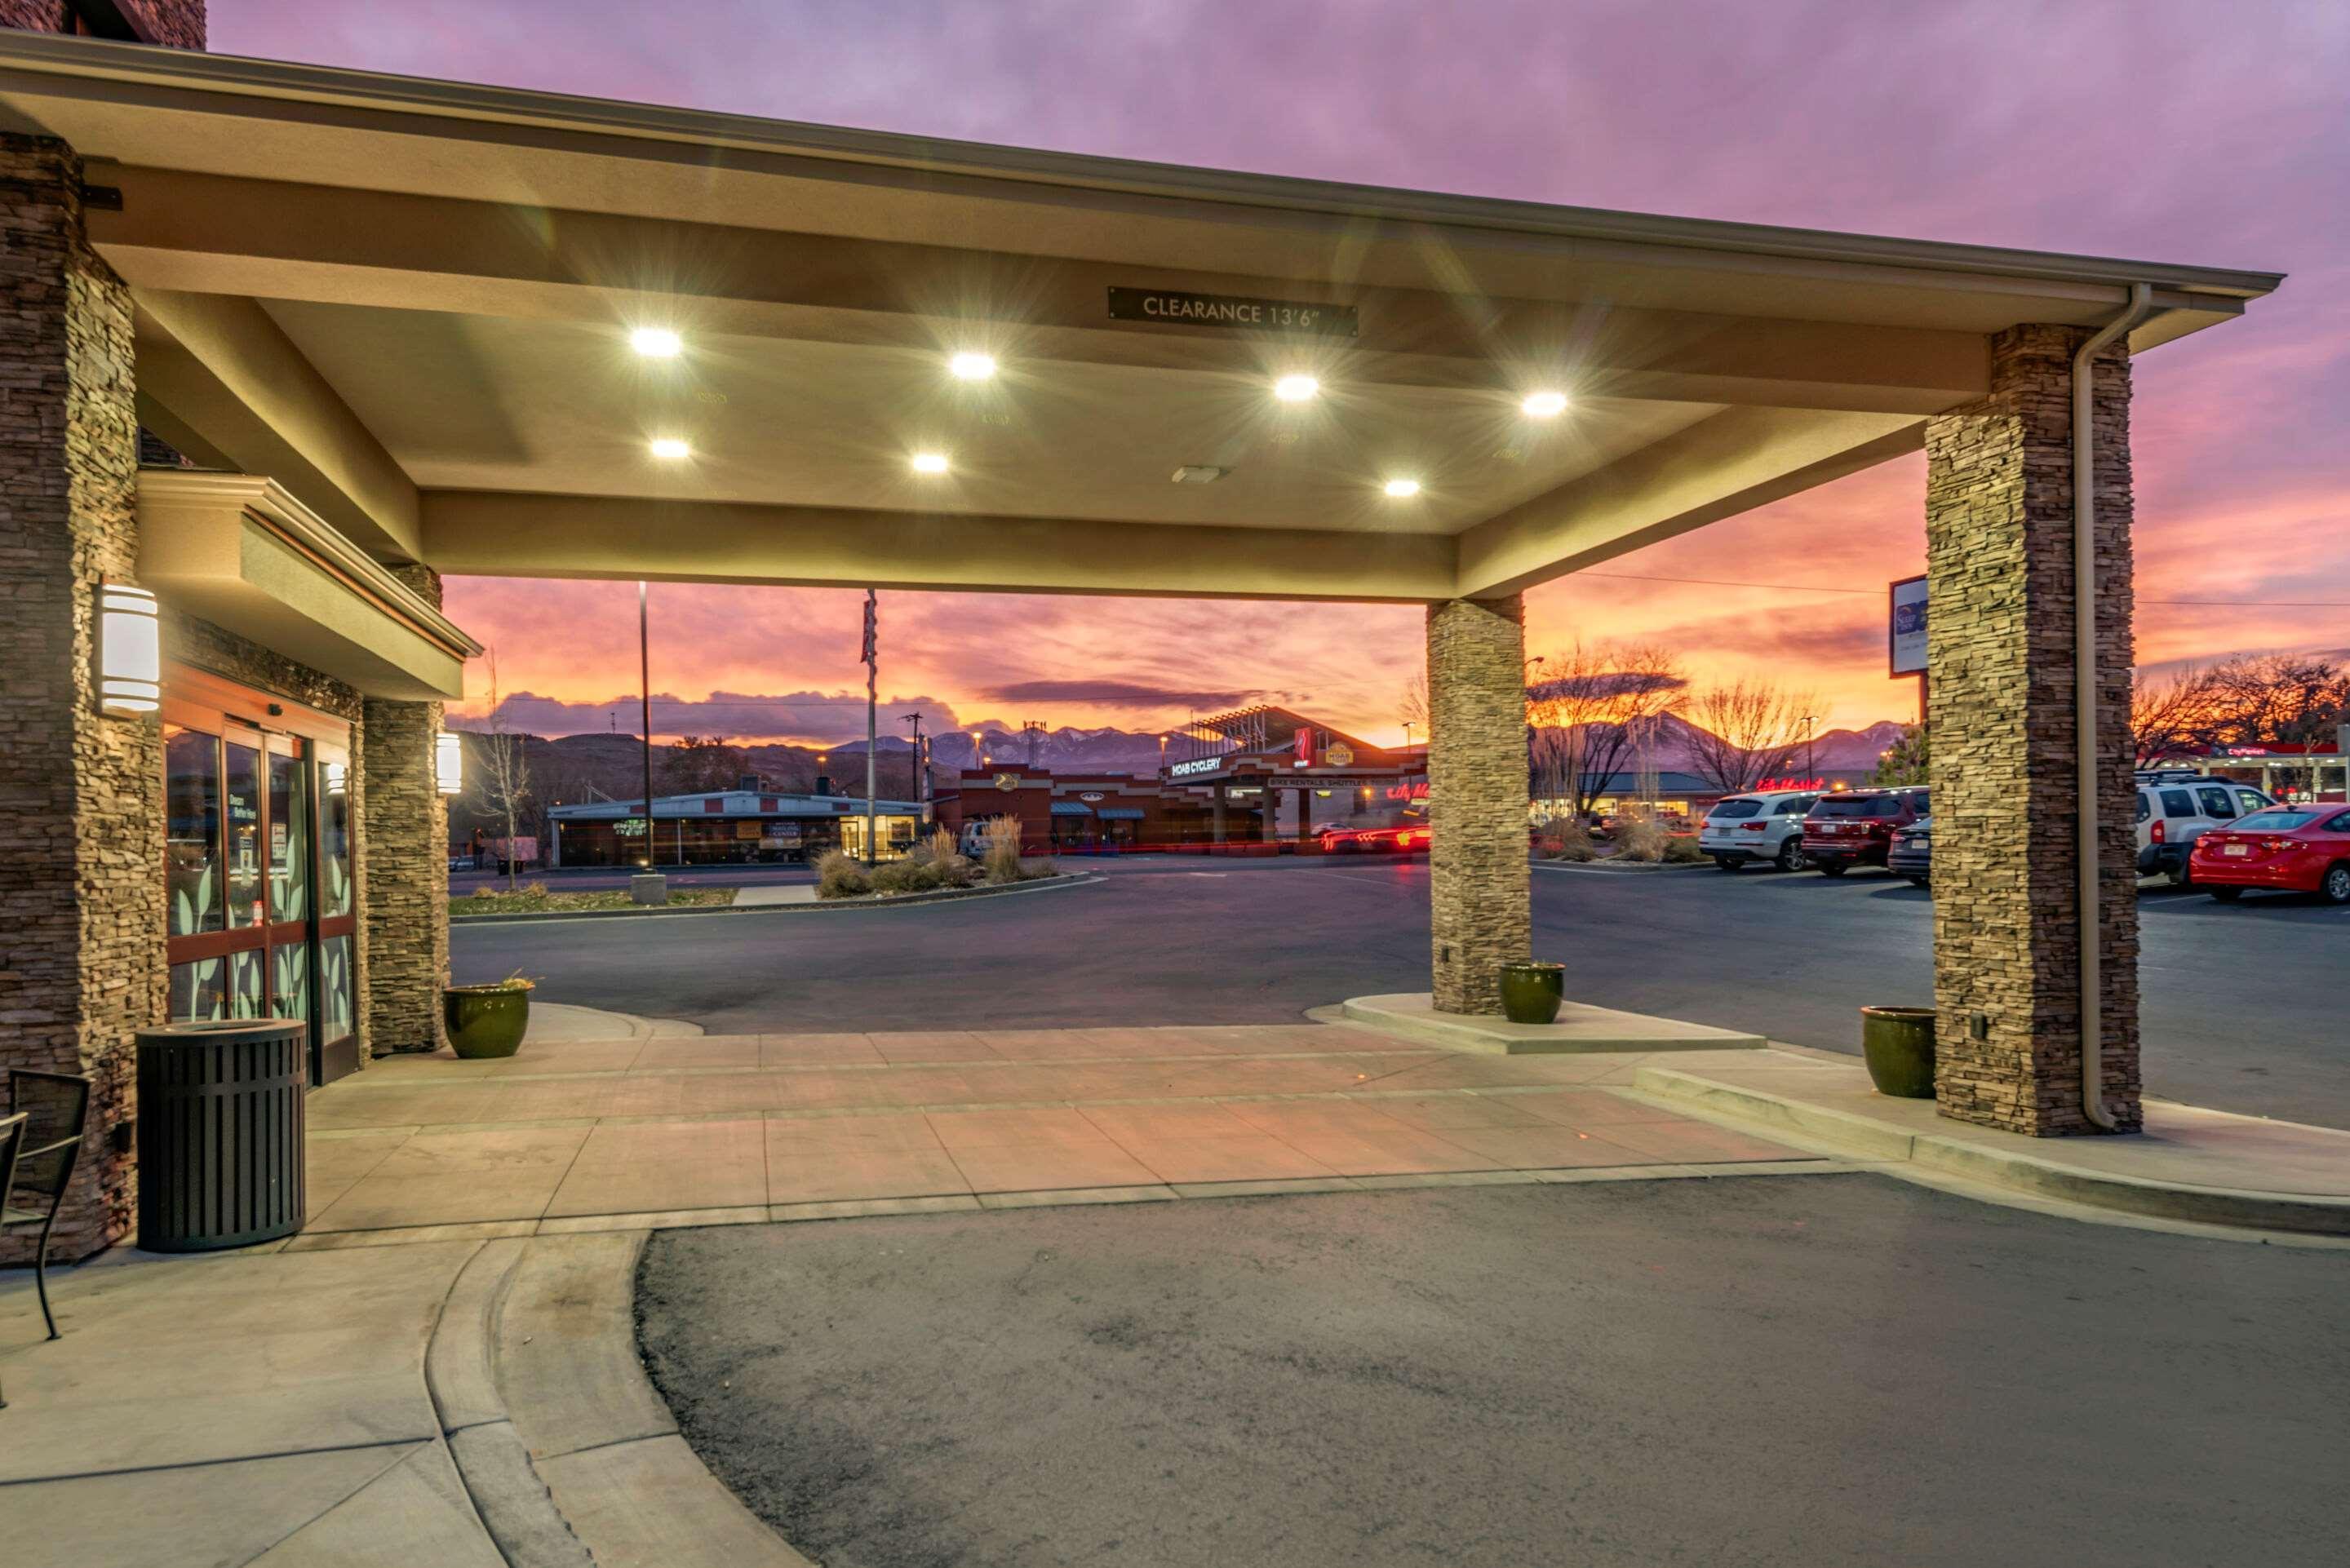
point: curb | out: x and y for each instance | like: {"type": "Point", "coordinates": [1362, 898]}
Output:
{"type": "Point", "coordinates": [819, 906]}
{"type": "Point", "coordinates": [571, 1457]}
{"type": "Point", "coordinates": [1624, 866]}
{"type": "Point", "coordinates": [1584, 1030]}
{"type": "Point", "coordinates": [1862, 1138]}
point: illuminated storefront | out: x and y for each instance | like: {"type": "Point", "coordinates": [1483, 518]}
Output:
{"type": "Point", "coordinates": [726, 827]}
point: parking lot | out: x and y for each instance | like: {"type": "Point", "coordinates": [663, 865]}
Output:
{"type": "Point", "coordinates": [2243, 1004]}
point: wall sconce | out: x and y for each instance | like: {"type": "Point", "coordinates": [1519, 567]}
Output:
{"type": "Point", "coordinates": [129, 651]}
{"type": "Point", "coordinates": [449, 763]}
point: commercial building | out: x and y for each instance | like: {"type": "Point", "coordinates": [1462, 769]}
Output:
{"type": "Point", "coordinates": [729, 827]}
{"type": "Point", "coordinates": [323, 287]}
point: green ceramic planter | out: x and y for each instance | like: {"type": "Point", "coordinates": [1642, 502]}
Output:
{"type": "Point", "coordinates": [1531, 992]}
{"type": "Point", "coordinates": [1898, 1043]}
{"type": "Point", "coordinates": [486, 1020]}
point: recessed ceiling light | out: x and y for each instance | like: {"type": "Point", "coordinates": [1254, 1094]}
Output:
{"type": "Point", "coordinates": [1400, 488]}
{"type": "Point", "coordinates": [656, 342]}
{"type": "Point", "coordinates": [930, 463]}
{"type": "Point", "coordinates": [1296, 388]}
{"type": "Point", "coordinates": [670, 446]}
{"type": "Point", "coordinates": [1544, 405]}
{"type": "Point", "coordinates": [972, 367]}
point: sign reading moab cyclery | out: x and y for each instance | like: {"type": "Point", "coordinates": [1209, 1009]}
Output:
{"type": "Point", "coordinates": [1182, 307]}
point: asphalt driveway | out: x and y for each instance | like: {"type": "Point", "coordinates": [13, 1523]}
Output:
{"type": "Point", "coordinates": [1819, 1370]}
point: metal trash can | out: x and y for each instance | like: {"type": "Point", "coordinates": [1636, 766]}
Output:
{"type": "Point", "coordinates": [221, 1133]}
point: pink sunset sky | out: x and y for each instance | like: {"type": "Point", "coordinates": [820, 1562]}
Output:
{"type": "Point", "coordinates": [2147, 129]}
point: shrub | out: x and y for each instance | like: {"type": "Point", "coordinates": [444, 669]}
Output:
{"type": "Point", "coordinates": [1640, 837]}
{"type": "Point", "coordinates": [1565, 838]}
{"type": "Point", "coordinates": [838, 876]}
{"type": "Point", "coordinates": [1680, 849]}
{"type": "Point", "coordinates": [1003, 854]}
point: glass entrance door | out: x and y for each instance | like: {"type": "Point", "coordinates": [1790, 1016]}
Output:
{"type": "Point", "coordinates": [261, 918]}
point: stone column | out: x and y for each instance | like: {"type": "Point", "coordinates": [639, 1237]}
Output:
{"type": "Point", "coordinates": [1478, 896]}
{"type": "Point", "coordinates": [1216, 814]}
{"type": "Point", "coordinates": [81, 901]}
{"type": "Point", "coordinates": [1268, 816]}
{"type": "Point", "coordinates": [2007, 921]}
{"type": "Point", "coordinates": [404, 885]}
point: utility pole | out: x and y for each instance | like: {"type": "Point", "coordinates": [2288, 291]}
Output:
{"type": "Point", "coordinates": [872, 680]}
{"type": "Point", "coordinates": [1811, 767]}
{"type": "Point", "coordinates": [922, 773]}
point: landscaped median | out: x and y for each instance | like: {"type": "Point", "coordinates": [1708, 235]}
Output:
{"type": "Point", "coordinates": [772, 898]}
{"type": "Point", "coordinates": [534, 899]}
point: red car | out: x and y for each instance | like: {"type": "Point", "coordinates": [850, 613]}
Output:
{"type": "Point", "coordinates": [2291, 849]}
{"type": "Point", "coordinates": [1406, 840]}
{"type": "Point", "coordinates": [1856, 827]}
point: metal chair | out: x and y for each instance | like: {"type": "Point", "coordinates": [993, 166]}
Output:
{"type": "Point", "coordinates": [54, 1108]}
{"type": "Point", "coordinates": [12, 1138]}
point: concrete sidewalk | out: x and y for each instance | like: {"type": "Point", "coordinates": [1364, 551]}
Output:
{"type": "Point", "coordinates": [2191, 1165]}
{"type": "Point", "coordinates": [443, 1367]}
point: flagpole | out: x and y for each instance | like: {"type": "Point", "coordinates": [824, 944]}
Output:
{"type": "Point", "coordinates": [872, 682]}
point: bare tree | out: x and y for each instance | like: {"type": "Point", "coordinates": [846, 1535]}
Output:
{"type": "Point", "coordinates": [2172, 717]}
{"type": "Point", "coordinates": [1597, 706]}
{"type": "Point", "coordinates": [1412, 707]}
{"type": "Point", "coordinates": [1744, 731]}
{"type": "Point", "coordinates": [505, 771]}
{"type": "Point", "coordinates": [2250, 700]}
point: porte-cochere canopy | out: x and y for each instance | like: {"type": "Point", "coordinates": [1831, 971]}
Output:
{"type": "Point", "coordinates": [413, 305]}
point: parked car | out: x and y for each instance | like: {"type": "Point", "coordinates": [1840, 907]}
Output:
{"type": "Point", "coordinates": [1911, 854]}
{"type": "Point", "coordinates": [1765, 825]}
{"type": "Point", "coordinates": [2289, 848]}
{"type": "Point", "coordinates": [2177, 807]}
{"type": "Point", "coordinates": [1857, 827]}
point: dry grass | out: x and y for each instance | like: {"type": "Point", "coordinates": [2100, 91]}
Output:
{"type": "Point", "coordinates": [839, 875]}
{"type": "Point", "coordinates": [1567, 839]}
{"type": "Point", "coordinates": [1640, 838]}
{"type": "Point", "coordinates": [1680, 849]}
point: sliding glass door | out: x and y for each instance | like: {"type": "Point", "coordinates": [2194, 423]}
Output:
{"type": "Point", "coordinates": [261, 912]}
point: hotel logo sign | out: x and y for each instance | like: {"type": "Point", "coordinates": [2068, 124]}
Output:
{"type": "Point", "coordinates": [1247, 313]}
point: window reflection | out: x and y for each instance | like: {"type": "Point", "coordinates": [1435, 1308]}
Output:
{"type": "Point", "coordinates": [243, 795]}
{"type": "Point", "coordinates": [289, 839]}
{"type": "Point", "coordinates": [191, 834]}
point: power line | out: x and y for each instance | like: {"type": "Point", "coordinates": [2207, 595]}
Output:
{"type": "Point", "coordinates": [1809, 589]}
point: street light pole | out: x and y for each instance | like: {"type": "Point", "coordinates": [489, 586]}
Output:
{"type": "Point", "coordinates": [645, 698]}
{"type": "Point", "coordinates": [1811, 765]}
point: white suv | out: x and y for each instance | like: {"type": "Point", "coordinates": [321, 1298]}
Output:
{"type": "Point", "coordinates": [1763, 826]}
{"type": "Point", "coordinates": [2176, 807]}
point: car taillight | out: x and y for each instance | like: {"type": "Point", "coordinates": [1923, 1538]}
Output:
{"type": "Point", "coordinates": [1752, 826]}
{"type": "Point", "coordinates": [2160, 836]}
{"type": "Point", "coordinates": [2275, 844]}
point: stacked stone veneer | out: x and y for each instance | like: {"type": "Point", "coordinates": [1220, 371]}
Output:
{"type": "Point", "coordinates": [177, 22]}
{"type": "Point", "coordinates": [405, 893]}
{"type": "Point", "coordinates": [81, 902]}
{"type": "Point", "coordinates": [2007, 927]}
{"type": "Point", "coordinates": [1480, 916]}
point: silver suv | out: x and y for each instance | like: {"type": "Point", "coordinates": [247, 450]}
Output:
{"type": "Point", "coordinates": [1767, 825]}
{"type": "Point", "coordinates": [2176, 807]}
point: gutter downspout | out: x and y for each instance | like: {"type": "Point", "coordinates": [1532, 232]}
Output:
{"type": "Point", "coordinates": [2088, 756]}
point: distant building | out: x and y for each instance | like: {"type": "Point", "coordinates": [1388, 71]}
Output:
{"type": "Point", "coordinates": [725, 827]}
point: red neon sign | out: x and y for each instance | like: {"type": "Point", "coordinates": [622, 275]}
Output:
{"type": "Point", "coordinates": [1792, 784]}
{"type": "Point", "coordinates": [1409, 791]}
